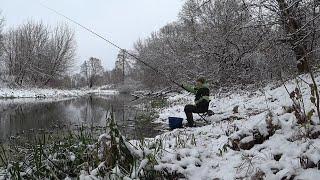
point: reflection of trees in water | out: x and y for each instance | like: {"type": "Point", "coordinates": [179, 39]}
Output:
{"type": "Point", "coordinates": [97, 107]}
{"type": "Point", "coordinates": [32, 116]}
{"type": "Point", "coordinates": [78, 103]}
{"type": "Point", "coordinates": [92, 110]}
{"type": "Point", "coordinates": [126, 117]}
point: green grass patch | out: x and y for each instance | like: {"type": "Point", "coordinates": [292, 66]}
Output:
{"type": "Point", "coordinates": [159, 103]}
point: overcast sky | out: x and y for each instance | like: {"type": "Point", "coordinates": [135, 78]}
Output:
{"type": "Point", "coordinates": [121, 21]}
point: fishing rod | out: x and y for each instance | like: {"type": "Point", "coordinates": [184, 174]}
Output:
{"type": "Point", "coordinates": [111, 43]}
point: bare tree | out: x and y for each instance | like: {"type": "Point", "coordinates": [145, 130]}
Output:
{"type": "Point", "coordinates": [35, 55]}
{"type": "Point", "coordinates": [233, 42]}
{"type": "Point", "coordinates": [22, 47]}
{"type": "Point", "coordinates": [61, 52]}
{"type": "Point", "coordinates": [1, 45]}
{"type": "Point", "coordinates": [211, 40]}
{"type": "Point", "coordinates": [1, 34]}
{"type": "Point", "coordinates": [299, 21]}
{"type": "Point", "coordinates": [92, 70]}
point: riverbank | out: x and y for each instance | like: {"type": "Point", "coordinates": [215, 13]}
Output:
{"type": "Point", "coordinates": [258, 135]}
{"type": "Point", "coordinates": [253, 135]}
{"type": "Point", "coordinates": [51, 93]}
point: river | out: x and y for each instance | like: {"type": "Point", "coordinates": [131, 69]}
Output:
{"type": "Point", "coordinates": [26, 117]}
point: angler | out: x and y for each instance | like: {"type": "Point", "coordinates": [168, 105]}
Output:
{"type": "Point", "coordinates": [200, 90]}
{"type": "Point", "coordinates": [202, 100]}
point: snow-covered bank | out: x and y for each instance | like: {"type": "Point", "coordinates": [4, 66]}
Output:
{"type": "Point", "coordinates": [51, 93]}
{"type": "Point", "coordinates": [261, 141]}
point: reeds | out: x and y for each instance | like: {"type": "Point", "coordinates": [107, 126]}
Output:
{"type": "Point", "coordinates": [80, 153]}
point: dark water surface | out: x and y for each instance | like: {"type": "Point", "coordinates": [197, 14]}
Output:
{"type": "Point", "coordinates": [25, 117]}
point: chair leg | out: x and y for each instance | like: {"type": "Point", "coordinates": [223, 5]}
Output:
{"type": "Point", "coordinates": [203, 117]}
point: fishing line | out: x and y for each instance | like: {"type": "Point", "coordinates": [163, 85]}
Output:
{"type": "Point", "coordinates": [109, 42]}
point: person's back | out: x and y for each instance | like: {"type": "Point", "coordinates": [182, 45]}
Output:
{"type": "Point", "coordinates": [202, 93]}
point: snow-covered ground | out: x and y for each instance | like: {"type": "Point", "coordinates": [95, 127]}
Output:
{"type": "Point", "coordinates": [260, 139]}
{"type": "Point", "coordinates": [228, 148]}
{"type": "Point", "coordinates": [51, 93]}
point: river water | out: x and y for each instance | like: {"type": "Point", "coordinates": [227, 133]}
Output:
{"type": "Point", "coordinates": [26, 117]}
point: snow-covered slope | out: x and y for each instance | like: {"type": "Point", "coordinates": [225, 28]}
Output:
{"type": "Point", "coordinates": [263, 140]}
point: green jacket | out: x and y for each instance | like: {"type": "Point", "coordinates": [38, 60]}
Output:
{"type": "Point", "coordinates": [202, 93]}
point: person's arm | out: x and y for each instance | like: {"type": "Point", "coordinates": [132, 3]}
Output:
{"type": "Point", "coordinates": [189, 88]}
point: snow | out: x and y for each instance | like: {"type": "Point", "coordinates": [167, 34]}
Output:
{"type": "Point", "coordinates": [283, 152]}
{"type": "Point", "coordinates": [247, 139]}
{"type": "Point", "coordinates": [201, 152]}
{"type": "Point", "coordinates": [72, 157]}
{"type": "Point", "coordinates": [309, 174]}
{"type": "Point", "coordinates": [51, 93]}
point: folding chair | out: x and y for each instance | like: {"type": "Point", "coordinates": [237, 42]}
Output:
{"type": "Point", "coordinates": [205, 115]}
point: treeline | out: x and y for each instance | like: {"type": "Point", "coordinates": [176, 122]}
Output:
{"type": "Point", "coordinates": [229, 42]}
{"type": "Point", "coordinates": [233, 42]}
{"type": "Point", "coordinates": [35, 54]}
{"type": "Point", "coordinates": [93, 74]}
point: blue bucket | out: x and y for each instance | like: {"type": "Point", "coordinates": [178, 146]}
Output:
{"type": "Point", "coordinates": [175, 122]}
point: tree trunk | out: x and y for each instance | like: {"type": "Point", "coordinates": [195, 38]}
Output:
{"type": "Point", "coordinates": [293, 29]}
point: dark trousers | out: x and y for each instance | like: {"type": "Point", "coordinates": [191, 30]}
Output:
{"type": "Point", "coordinates": [189, 109]}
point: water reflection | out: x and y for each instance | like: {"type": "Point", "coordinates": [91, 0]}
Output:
{"type": "Point", "coordinates": [28, 116]}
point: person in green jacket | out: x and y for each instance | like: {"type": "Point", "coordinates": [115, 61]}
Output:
{"type": "Point", "coordinates": [202, 93]}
